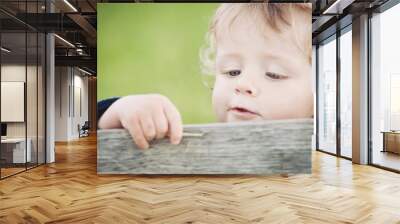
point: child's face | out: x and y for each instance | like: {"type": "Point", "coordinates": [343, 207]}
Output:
{"type": "Point", "coordinates": [261, 77]}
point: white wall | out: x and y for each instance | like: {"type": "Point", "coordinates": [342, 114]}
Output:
{"type": "Point", "coordinates": [34, 125]}
{"type": "Point", "coordinates": [62, 81]}
{"type": "Point", "coordinates": [70, 83]}
{"type": "Point", "coordinates": [11, 73]}
{"type": "Point", "coordinates": [16, 73]}
{"type": "Point", "coordinates": [80, 99]}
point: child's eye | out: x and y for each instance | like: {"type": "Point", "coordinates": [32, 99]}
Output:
{"type": "Point", "coordinates": [272, 75]}
{"type": "Point", "coordinates": [233, 72]}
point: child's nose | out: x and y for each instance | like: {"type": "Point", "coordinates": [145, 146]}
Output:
{"type": "Point", "coordinates": [247, 91]}
{"type": "Point", "coordinates": [245, 88]}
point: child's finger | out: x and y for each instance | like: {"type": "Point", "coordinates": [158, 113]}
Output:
{"type": "Point", "coordinates": [148, 126]}
{"type": "Point", "coordinates": [136, 132]}
{"type": "Point", "coordinates": [161, 123]}
{"type": "Point", "coordinates": [174, 121]}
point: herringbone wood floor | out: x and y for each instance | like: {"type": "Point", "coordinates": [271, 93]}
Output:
{"type": "Point", "coordinates": [70, 191]}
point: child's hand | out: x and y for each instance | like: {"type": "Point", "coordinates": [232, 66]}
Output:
{"type": "Point", "coordinates": [146, 117]}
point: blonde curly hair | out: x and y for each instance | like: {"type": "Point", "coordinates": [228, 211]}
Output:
{"type": "Point", "coordinates": [274, 15]}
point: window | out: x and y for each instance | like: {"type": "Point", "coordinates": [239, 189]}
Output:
{"type": "Point", "coordinates": [346, 92]}
{"type": "Point", "coordinates": [327, 95]}
{"type": "Point", "coordinates": [385, 88]}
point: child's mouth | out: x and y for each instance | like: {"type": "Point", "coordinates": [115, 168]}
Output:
{"type": "Point", "coordinates": [243, 111]}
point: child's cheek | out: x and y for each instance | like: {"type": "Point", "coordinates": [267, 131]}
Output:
{"type": "Point", "coordinates": [220, 99]}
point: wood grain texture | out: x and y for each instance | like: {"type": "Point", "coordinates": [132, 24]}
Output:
{"type": "Point", "coordinates": [269, 147]}
{"type": "Point", "coordinates": [70, 191]}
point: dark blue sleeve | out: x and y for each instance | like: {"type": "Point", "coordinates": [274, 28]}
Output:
{"type": "Point", "coordinates": [103, 105]}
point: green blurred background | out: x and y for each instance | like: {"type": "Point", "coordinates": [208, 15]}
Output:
{"type": "Point", "coordinates": [154, 48]}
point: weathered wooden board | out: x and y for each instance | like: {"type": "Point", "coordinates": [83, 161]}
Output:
{"type": "Point", "coordinates": [268, 147]}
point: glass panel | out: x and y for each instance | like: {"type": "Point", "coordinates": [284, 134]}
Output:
{"type": "Point", "coordinates": [314, 74]}
{"type": "Point", "coordinates": [327, 96]}
{"type": "Point", "coordinates": [23, 90]}
{"type": "Point", "coordinates": [31, 86]}
{"type": "Point", "coordinates": [13, 87]}
{"type": "Point", "coordinates": [31, 100]}
{"type": "Point", "coordinates": [385, 89]}
{"type": "Point", "coordinates": [41, 99]}
{"type": "Point", "coordinates": [346, 94]}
